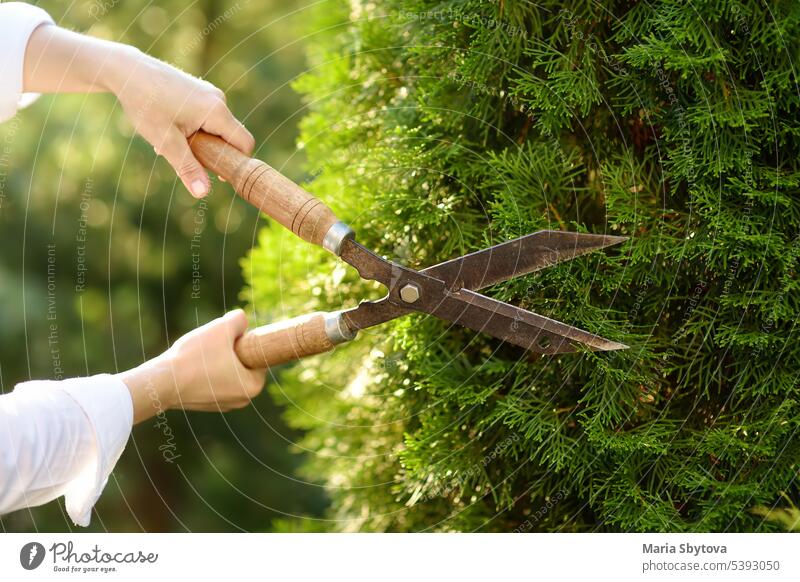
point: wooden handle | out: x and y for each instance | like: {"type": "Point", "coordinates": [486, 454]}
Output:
{"type": "Point", "coordinates": [284, 341]}
{"type": "Point", "coordinates": [265, 188]}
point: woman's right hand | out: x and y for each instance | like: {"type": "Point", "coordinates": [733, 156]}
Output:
{"type": "Point", "coordinates": [164, 104]}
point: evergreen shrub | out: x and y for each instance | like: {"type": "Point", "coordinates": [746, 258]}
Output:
{"type": "Point", "coordinates": [438, 128]}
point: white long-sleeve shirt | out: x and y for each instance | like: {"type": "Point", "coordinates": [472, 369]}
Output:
{"type": "Point", "coordinates": [56, 437]}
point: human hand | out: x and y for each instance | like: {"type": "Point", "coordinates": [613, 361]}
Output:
{"type": "Point", "coordinates": [166, 106]}
{"type": "Point", "coordinates": [201, 371]}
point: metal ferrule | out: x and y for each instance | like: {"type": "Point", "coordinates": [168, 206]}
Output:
{"type": "Point", "coordinates": [336, 329]}
{"type": "Point", "coordinates": [335, 237]}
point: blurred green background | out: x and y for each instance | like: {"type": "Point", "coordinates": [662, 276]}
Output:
{"type": "Point", "coordinates": [100, 251]}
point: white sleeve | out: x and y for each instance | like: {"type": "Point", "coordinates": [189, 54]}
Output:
{"type": "Point", "coordinates": [17, 23]}
{"type": "Point", "coordinates": [62, 438]}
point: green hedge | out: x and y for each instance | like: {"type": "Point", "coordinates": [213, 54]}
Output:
{"type": "Point", "coordinates": [439, 128]}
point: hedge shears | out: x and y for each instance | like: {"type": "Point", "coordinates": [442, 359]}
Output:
{"type": "Point", "coordinates": [448, 290]}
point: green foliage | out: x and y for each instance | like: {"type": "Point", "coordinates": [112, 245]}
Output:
{"type": "Point", "coordinates": [437, 128]}
{"type": "Point", "coordinates": [788, 517]}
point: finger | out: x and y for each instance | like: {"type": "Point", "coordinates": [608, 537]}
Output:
{"type": "Point", "coordinates": [222, 122]}
{"type": "Point", "coordinates": [182, 160]}
{"type": "Point", "coordinates": [255, 383]}
{"type": "Point", "coordinates": [236, 323]}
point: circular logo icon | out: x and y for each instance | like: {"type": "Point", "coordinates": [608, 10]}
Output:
{"type": "Point", "coordinates": [31, 555]}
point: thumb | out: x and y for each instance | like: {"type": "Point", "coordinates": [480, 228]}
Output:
{"type": "Point", "coordinates": [189, 170]}
{"type": "Point", "coordinates": [236, 322]}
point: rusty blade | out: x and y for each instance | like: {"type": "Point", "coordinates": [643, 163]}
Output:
{"type": "Point", "coordinates": [472, 310]}
{"type": "Point", "coordinates": [463, 307]}
{"type": "Point", "coordinates": [520, 256]}
{"type": "Point", "coordinates": [518, 326]}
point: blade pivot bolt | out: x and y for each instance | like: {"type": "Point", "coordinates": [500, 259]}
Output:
{"type": "Point", "coordinates": [409, 293]}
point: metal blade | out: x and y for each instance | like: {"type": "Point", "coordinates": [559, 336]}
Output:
{"type": "Point", "coordinates": [369, 265]}
{"type": "Point", "coordinates": [462, 306]}
{"type": "Point", "coordinates": [518, 326]}
{"type": "Point", "coordinates": [514, 325]}
{"type": "Point", "coordinates": [520, 256]}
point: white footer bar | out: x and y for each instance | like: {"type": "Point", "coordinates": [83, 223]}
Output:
{"type": "Point", "coordinates": [401, 557]}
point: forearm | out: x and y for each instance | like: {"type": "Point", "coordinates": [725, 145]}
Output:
{"type": "Point", "coordinates": [61, 61]}
{"type": "Point", "coordinates": [152, 387]}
